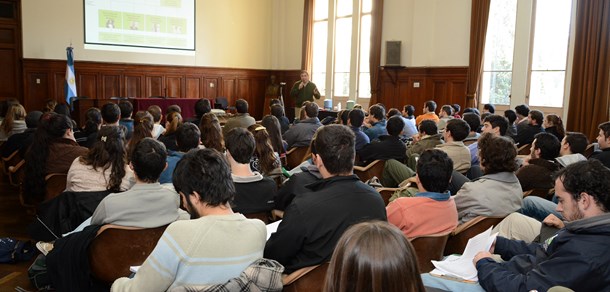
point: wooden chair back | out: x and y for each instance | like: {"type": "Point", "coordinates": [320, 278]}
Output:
{"type": "Point", "coordinates": [263, 216]}
{"type": "Point", "coordinates": [374, 168]}
{"type": "Point", "coordinates": [589, 151]}
{"type": "Point", "coordinates": [11, 160]}
{"type": "Point", "coordinates": [469, 142]}
{"type": "Point", "coordinates": [55, 185]}
{"type": "Point", "coordinates": [429, 248]}
{"type": "Point", "coordinates": [16, 173]}
{"type": "Point", "coordinates": [459, 237]}
{"type": "Point", "coordinates": [524, 150]}
{"type": "Point", "coordinates": [387, 193]}
{"type": "Point", "coordinates": [116, 248]}
{"type": "Point", "coordinates": [308, 279]}
{"type": "Point", "coordinates": [296, 156]}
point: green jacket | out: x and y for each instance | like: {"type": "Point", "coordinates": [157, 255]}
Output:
{"type": "Point", "coordinates": [304, 94]}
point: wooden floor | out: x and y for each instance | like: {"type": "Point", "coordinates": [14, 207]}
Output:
{"type": "Point", "coordinates": [14, 220]}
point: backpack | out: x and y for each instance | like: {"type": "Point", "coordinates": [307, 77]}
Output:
{"type": "Point", "coordinates": [38, 274]}
{"type": "Point", "coordinates": [12, 250]}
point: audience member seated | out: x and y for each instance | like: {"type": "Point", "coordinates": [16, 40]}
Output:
{"type": "Point", "coordinates": [489, 108]}
{"type": "Point", "coordinates": [136, 206]}
{"type": "Point", "coordinates": [432, 210]}
{"type": "Point", "coordinates": [172, 122]}
{"type": "Point", "coordinates": [603, 140]}
{"type": "Point", "coordinates": [315, 220]}
{"type": "Point", "coordinates": [408, 113]}
{"type": "Point", "coordinates": [539, 166]}
{"type": "Point", "coordinates": [300, 134]}
{"type": "Point", "coordinates": [13, 123]}
{"type": "Point", "coordinates": [111, 113]}
{"type": "Point", "coordinates": [498, 192]}
{"type": "Point", "coordinates": [104, 167]}
{"type": "Point", "coordinates": [445, 114]}
{"type": "Point", "coordinates": [512, 128]}
{"type": "Point", "coordinates": [188, 137]}
{"type": "Point", "coordinates": [474, 122]}
{"type": "Point", "coordinates": [242, 119]}
{"type": "Point", "coordinates": [22, 141]}
{"type": "Point", "coordinates": [576, 257]}
{"type": "Point", "coordinates": [174, 108]}
{"type": "Point", "coordinates": [456, 111]}
{"type": "Point", "coordinates": [217, 245]}
{"type": "Point", "coordinates": [427, 138]}
{"type": "Point", "coordinates": [494, 124]}
{"type": "Point", "coordinates": [143, 126]}
{"type": "Point", "coordinates": [158, 129]}
{"type": "Point", "coordinates": [88, 134]}
{"type": "Point", "coordinates": [53, 150]}
{"type": "Point", "coordinates": [457, 130]}
{"type": "Point", "coordinates": [388, 146]}
{"type": "Point", "coordinates": [375, 124]}
{"type": "Point", "coordinates": [554, 125]}
{"type": "Point", "coordinates": [429, 113]}
{"type": "Point", "coordinates": [126, 120]}
{"type": "Point", "coordinates": [264, 160]}
{"type": "Point", "coordinates": [525, 134]}
{"type": "Point", "coordinates": [373, 256]}
{"type": "Point", "coordinates": [409, 129]}
{"type": "Point", "coordinates": [254, 192]}
{"type": "Point", "coordinates": [277, 110]}
{"type": "Point", "coordinates": [573, 147]}
{"type": "Point", "coordinates": [211, 133]}
{"type": "Point", "coordinates": [272, 125]}
{"type": "Point", "coordinates": [202, 107]}
{"type": "Point", "coordinates": [522, 112]}
{"type": "Point", "coordinates": [355, 120]}
{"type": "Point", "coordinates": [296, 183]}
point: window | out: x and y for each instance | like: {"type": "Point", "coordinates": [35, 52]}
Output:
{"type": "Point", "coordinates": [341, 46]}
{"type": "Point", "coordinates": [543, 76]}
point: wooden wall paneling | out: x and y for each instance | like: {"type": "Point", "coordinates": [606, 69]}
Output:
{"type": "Point", "coordinates": [37, 90]}
{"type": "Point", "coordinates": [154, 87]}
{"type": "Point", "coordinates": [457, 92]}
{"type": "Point", "coordinates": [403, 95]}
{"type": "Point", "coordinates": [439, 92]}
{"type": "Point", "coordinates": [228, 89]}
{"type": "Point", "coordinates": [59, 79]}
{"type": "Point", "coordinates": [174, 86]}
{"type": "Point", "coordinates": [8, 80]}
{"type": "Point", "coordinates": [210, 88]}
{"type": "Point", "coordinates": [133, 86]}
{"type": "Point", "coordinates": [111, 86]}
{"type": "Point", "coordinates": [87, 85]}
{"type": "Point", "coordinates": [258, 87]}
{"type": "Point", "coordinates": [193, 87]}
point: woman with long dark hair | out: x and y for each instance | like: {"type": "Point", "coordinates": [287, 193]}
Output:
{"type": "Point", "coordinates": [53, 150]}
{"type": "Point", "coordinates": [264, 160]}
{"type": "Point", "coordinates": [272, 124]}
{"type": "Point", "coordinates": [104, 167]}
{"type": "Point", "coordinates": [143, 124]}
{"type": "Point", "coordinates": [93, 122]}
{"type": "Point", "coordinates": [211, 133]}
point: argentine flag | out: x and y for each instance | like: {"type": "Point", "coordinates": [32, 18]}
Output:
{"type": "Point", "coordinates": [70, 85]}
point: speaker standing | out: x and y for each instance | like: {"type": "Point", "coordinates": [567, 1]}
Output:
{"type": "Point", "coordinates": [303, 90]}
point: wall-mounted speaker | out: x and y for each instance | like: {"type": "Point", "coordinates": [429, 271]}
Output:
{"type": "Point", "coordinates": [392, 53]}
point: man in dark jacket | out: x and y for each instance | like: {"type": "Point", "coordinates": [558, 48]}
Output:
{"type": "Point", "coordinates": [538, 169]}
{"type": "Point", "coordinates": [603, 139]}
{"type": "Point", "coordinates": [315, 221]}
{"type": "Point", "coordinates": [388, 146]}
{"type": "Point", "coordinates": [525, 134]}
{"type": "Point", "coordinates": [300, 134]}
{"type": "Point", "coordinates": [576, 257]}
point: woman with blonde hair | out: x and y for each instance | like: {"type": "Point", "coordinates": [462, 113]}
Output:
{"type": "Point", "coordinates": [554, 125]}
{"type": "Point", "coordinates": [211, 133]}
{"type": "Point", "coordinates": [264, 160]}
{"type": "Point", "coordinates": [142, 128]}
{"type": "Point", "coordinates": [173, 122]}
{"type": "Point", "coordinates": [14, 122]}
{"type": "Point", "coordinates": [373, 256]}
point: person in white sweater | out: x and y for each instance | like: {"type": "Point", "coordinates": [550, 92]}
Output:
{"type": "Point", "coordinates": [213, 247]}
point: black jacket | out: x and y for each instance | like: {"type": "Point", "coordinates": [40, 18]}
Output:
{"type": "Point", "coordinates": [577, 257]}
{"type": "Point", "coordinates": [315, 221]}
{"type": "Point", "coordinates": [295, 186]}
{"type": "Point", "coordinates": [20, 141]}
{"type": "Point", "coordinates": [388, 147]}
{"type": "Point", "coordinates": [603, 156]}
{"type": "Point", "coordinates": [526, 133]}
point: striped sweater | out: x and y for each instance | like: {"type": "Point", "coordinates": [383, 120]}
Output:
{"type": "Point", "coordinates": [204, 251]}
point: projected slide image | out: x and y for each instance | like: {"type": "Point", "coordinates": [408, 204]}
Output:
{"type": "Point", "coordinates": [153, 23]}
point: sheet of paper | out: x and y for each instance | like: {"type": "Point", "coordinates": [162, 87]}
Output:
{"type": "Point", "coordinates": [272, 228]}
{"type": "Point", "coordinates": [462, 266]}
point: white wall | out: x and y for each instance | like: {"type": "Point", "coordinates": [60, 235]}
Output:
{"type": "Point", "coordinates": [230, 33]}
{"type": "Point", "coordinates": [433, 32]}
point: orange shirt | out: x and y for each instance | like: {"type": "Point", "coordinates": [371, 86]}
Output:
{"type": "Point", "coordinates": [428, 116]}
{"type": "Point", "coordinates": [421, 216]}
